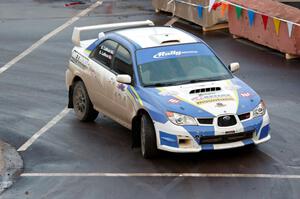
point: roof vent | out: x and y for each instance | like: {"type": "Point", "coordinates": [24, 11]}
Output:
{"type": "Point", "coordinates": [205, 90]}
{"type": "Point", "coordinates": [165, 38]}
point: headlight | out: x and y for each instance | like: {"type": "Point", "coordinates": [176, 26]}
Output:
{"type": "Point", "coordinates": [180, 119]}
{"type": "Point", "coordinates": [260, 110]}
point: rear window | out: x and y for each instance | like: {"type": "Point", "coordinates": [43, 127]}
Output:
{"type": "Point", "coordinates": [105, 51]}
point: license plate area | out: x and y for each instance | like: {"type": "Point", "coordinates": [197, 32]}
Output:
{"type": "Point", "coordinates": [227, 138]}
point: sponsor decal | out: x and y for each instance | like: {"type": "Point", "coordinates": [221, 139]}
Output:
{"type": "Point", "coordinates": [212, 98]}
{"type": "Point", "coordinates": [220, 104]}
{"type": "Point", "coordinates": [246, 94]}
{"type": "Point", "coordinates": [173, 101]}
{"type": "Point", "coordinates": [106, 52]}
{"type": "Point", "coordinates": [121, 87]}
{"type": "Point", "coordinates": [172, 53]}
{"type": "Point", "coordinates": [106, 49]}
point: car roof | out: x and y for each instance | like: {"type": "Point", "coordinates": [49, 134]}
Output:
{"type": "Point", "coordinates": [145, 37]}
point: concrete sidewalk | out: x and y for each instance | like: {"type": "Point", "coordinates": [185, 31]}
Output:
{"type": "Point", "coordinates": [11, 165]}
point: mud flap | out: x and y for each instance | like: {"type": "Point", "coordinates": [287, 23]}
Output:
{"type": "Point", "coordinates": [135, 134]}
{"type": "Point", "coordinates": [70, 103]}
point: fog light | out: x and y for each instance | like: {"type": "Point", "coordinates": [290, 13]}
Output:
{"type": "Point", "coordinates": [185, 142]}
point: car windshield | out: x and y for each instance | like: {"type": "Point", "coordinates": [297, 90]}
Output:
{"type": "Point", "coordinates": [179, 64]}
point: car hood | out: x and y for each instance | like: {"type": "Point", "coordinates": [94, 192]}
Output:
{"type": "Point", "coordinates": [206, 99]}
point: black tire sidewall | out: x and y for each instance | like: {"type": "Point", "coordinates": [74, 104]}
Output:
{"type": "Point", "coordinates": [148, 138]}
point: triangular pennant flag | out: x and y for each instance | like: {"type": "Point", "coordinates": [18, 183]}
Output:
{"type": "Point", "coordinates": [290, 28]}
{"type": "Point", "coordinates": [265, 20]}
{"type": "Point", "coordinates": [210, 5]}
{"type": "Point", "coordinates": [224, 6]}
{"type": "Point", "coordinates": [251, 15]}
{"type": "Point", "coordinates": [216, 5]}
{"type": "Point", "coordinates": [238, 11]}
{"type": "Point", "coordinates": [277, 25]}
{"type": "Point", "coordinates": [200, 11]}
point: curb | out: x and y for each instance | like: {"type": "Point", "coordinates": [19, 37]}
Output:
{"type": "Point", "coordinates": [11, 165]}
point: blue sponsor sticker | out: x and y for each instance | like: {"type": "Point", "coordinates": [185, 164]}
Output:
{"type": "Point", "coordinates": [170, 52]}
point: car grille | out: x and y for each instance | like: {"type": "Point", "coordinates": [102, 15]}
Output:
{"type": "Point", "coordinates": [244, 116]}
{"type": "Point", "coordinates": [205, 120]}
{"type": "Point", "coordinates": [227, 138]}
{"type": "Point", "coordinates": [226, 120]}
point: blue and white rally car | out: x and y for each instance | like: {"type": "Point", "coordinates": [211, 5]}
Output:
{"type": "Point", "coordinates": [167, 86]}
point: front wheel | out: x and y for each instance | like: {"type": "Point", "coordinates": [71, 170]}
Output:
{"type": "Point", "coordinates": [148, 138]}
{"type": "Point", "coordinates": [83, 106]}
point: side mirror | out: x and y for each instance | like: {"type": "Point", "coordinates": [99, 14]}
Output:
{"type": "Point", "coordinates": [234, 67]}
{"type": "Point", "coordinates": [124, 79]}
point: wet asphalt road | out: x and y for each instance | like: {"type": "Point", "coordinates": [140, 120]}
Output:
{"type": "Point", "coordinates": [33, 92]}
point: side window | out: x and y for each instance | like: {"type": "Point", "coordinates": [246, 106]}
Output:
{"type": "Point", "coordinates": [123, 63]}
{"type": "Point", "coordinates": [105, 52]}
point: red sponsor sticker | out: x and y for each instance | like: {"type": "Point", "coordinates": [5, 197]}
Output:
{"type": "Point", "coordinates": [246, 94]}
{"type": "Point", "coordinates": [174, 101]}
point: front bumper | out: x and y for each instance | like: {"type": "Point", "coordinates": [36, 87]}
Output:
{"type": "Point", "coordinates": [185, 139]}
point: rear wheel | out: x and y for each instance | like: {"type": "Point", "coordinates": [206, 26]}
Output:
{"type": "Point", "coordinates": [148, 138]}
{"type": "Point", "coordinates": [83, 106]}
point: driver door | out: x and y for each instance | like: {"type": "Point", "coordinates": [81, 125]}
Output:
{"type": "Point", "coordinates": [123, 106]}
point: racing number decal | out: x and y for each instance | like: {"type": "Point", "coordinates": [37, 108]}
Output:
{"type": "Point", "coordinates": [79, 59]}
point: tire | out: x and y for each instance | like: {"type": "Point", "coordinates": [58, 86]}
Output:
{"type": "Point", "coordinates": [148, 138]}
{"type": "Point", "coordinates": [83, 106]}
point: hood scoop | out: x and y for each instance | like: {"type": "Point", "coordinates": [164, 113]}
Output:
{"type": "Point", "coordinates": [205, 90]}
{"type": "Point", "coordinates": [165, 38]}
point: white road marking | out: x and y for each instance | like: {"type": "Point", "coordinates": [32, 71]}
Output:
{"type": "Point", "coordinates": [45, 128]}
{"type": "Point", "coordinates": [48, 36]}
{"type": "Point", "coordinates": [172, 21]}
{"type": "Point", "coordinates": [195, 175]}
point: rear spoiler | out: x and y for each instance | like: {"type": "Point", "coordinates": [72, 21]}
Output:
{"type": "Point", "coordinates": [77, 30]}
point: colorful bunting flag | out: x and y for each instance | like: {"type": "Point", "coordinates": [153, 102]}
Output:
{"type": "Point", "coordinates": [224, 6]}
{"type": "Point", "coordinates": [277, 25]}
{"type": "Point", "coordinates": [238, 11]}
{"type": "Point", "coordinates": [290, 28]}
{"type": "Point", "coordinates": [200, 11]}
{"type": "Point", "coordinates": [251, 15]}
{"type": "Point", "coordinates": [265, 20]}
{"type": "Point", "coordinates": [216, 5]}
{"type": "Point", "coordinates": [210, 5]}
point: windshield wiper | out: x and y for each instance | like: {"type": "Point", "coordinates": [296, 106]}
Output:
{"type": "Point", "coordinates": [195, 81]}
{"type": "Point", "coordinates": [180, 82]}
{"type": "Point", "coordinates": [158, 85]}
{"type": "Point", "coordinates": [191, 81]}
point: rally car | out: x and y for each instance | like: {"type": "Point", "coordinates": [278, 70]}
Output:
{"type": "Point", "coordinates": [167, 86]}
